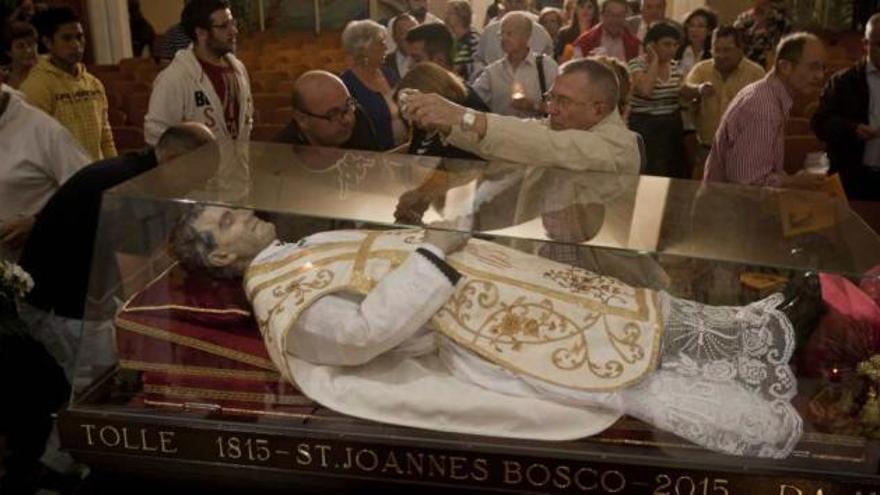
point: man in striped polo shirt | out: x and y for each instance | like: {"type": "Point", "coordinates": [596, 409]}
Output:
{"type": "Point", "coordinates": [749, 147]}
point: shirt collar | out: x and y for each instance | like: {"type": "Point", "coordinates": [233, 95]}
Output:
{"type": "Point", "coordinates": [529, 60]}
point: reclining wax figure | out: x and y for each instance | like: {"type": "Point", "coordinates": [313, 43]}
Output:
{"type": "Point", "coordinates": [425, 328]}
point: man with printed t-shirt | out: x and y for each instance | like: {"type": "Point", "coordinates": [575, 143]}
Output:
{"type": "Point", "coordinates": [204, 83]}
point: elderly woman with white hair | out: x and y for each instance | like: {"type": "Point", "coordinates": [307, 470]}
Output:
{"type": "Point", "coordinates": [370, 83]}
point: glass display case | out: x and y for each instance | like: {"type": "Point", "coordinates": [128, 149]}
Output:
{"type": "Point", "coordinates": [607, 334]}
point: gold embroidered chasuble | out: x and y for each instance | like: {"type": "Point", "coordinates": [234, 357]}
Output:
{"type": "Point", "coordinates": [563, 325]}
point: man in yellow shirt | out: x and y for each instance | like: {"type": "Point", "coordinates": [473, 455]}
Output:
{"type": "Point", "coordinates": [717, 81]}
{"type": "Point", "coordinates": [61, 86]}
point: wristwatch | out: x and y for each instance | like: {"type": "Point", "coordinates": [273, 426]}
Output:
{"type": "Point", "coordinates": [468, 120]}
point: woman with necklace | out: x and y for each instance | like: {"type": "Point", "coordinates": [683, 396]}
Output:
{"type": "Point", "coordinates": [370, 83]}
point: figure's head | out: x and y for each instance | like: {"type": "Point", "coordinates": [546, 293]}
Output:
{"type": "Point", "coordinates": [727, 49]}
{"type": "Point", "coordinates": [516, 29]}
{"type": "Point", "coordinates": [584, 12]}
{"type": "Point", "coordinates": [323, 108]}
{"type": "Point", "coordinates": [872, 40]}
{"type": "Point", "coordinates": [428, 77]}
{"type": "Point", "coordinates": [210, 25]}
{"type": "Point", "coordinates": [698, 26]}
{"type": "Point", "coordinates": [364, 42]}
{"type": "Point", "coordinates": [665, 38]}
{"type": "Point", "coordinates": [800, 63]}
{"type": "Point", "coordinates": [400, 26]}
{"type": "Point", "coordinates": [585, 92]}
{"type": "Point", "coordinates": [516, 5]}
{"type": "Point", "coordinates": [62, 33]}
{"type": "Point", "coordinates": [219, 241]}
{"type": "Point", "coordinates": [459, 16]}
{"type": "Point", "coordinates": [551, 19]}
{"type": "Point", "coordinates": [653, 10]}
{"type": "Point", "coordinates": [614, 17]}
{"type": "Point", "coordinates": [623, 82]}
{"type": "Point", "coordinates": [20, 44]}
{"type": "Point", "coordinates": [418, 8]}
{"type": "Point", "coordinates": [431, 43]}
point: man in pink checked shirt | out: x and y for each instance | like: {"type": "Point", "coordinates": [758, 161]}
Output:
{"type": "Point", "coordinates": [749, 147]}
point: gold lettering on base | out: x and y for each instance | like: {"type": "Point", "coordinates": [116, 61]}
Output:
{"type": "Point", "coordinates": [512, 472]}
{"type": "Point", "coordinates": [457, 469]}
{"type": "Point", "coordinates": [89, 430]}
{"type": "Point", "coordinates": [359, 460]}
{"type": "Point", "coordinates": [391, 463]}
{"type": "Point", "coordinates": [165, 442]}
{"type": "Point", "coordinates": [578, 481]}
{"type": "Point", "coordinates": [481, 469]}
{"type": "Point", "coordinates": [303, 456]}
{"type": "Point", "coordinates": [324, 450]}
{"type": "Point", "coordinates": [790, 490]}
{"type": "Point", "coordinates": [538, 475]}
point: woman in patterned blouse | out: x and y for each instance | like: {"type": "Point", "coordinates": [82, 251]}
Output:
{"type": "Point", "coordinates": [763, 26]}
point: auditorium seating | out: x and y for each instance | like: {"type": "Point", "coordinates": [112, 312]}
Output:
{"type": "Point", "coordinates": [274, 61]}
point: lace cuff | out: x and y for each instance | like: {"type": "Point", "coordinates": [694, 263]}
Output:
{"type": "Point", "coordinates": [724, 381]}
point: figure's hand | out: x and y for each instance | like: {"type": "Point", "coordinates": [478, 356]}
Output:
{"type": "Point", "coordinates": [444, 236]}
{"type": "Point", "coordinates": [707, 90]}
{"type": "Point", "coordinates": [866, 132]}
{"type": "Point", "coordinates": [650, 53]}
{"type": "Point", "coordinates": [15, 232]}
{"type": "Point", "coordinates": [411, 207]}
{"type": "Point", "coordinates": [524, 104]}
{"type": "Point", "coordinates": [433, 111]}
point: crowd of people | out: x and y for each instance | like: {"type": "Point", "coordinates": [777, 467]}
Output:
{"type": "Point", "coordinates": [591, 86]}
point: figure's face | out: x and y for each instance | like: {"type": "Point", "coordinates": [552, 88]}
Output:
{"type": "Point", "coordinates": [806, 77]}
{"type": "Point", "coordinates": [331, 117]}
{"type": "Point", "coordinates": [697, 30]}
{"type": "Point", "coordinates": [552, 23]}
{"type": "Point", "coordinates": [418, 7]}
{"type": "Point", "coordinates": [239, 234]}
{"type": "Point", "coordinates": [68, 44]}
{"type": "Point", "coordinates": [401, 27]}
{"type": "Point", "coordinates": [614, 19]}
{"type": "Point", "coordinates": [585, 12]}
{"type": "Point", "coordinates": [653, 10]}
{"type": "Point", "coordinates": [513, 37]}
{"type": "Point", "coordinates": [417, 52]}
{"type": "Point", "coordinates": [222, 37]}
{"type": "Point", "coordinates": [375, 52]}
{"type": "Point", "coordinates": [666, 48]}
{"type": "Point", "coordinates": [726, 54]}
{"type": "Point", "coordinates": [23, 52]}
{"type": "Point", "coordinates": [872, 46]}
{"type": "Point", "coordinates": [572, 104]}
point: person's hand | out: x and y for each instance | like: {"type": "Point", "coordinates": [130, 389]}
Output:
{"type": "Point", "coordinates": [431, 111]}
{"type": "Point", "coordinates": [15, 232]}
{"type": "Point", "coordinates": [866, 132]}
{"type": "Point", "coordinates": [805, 180]}
{"type": "Point", "coordinates": [444, 236]}
{"type": "Point", "coordinates": [524, 104]}
{"type": "Point", "coordinates": [651, 53]}
{"type": "Point", "coordinates": [411, 207]}
{"type": "Point", "coordinates": [707, 90]}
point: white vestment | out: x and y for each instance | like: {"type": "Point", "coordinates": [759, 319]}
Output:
{"type": "Point", "coordinates": [722, 380]}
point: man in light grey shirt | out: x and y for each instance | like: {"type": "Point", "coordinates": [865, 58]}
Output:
{"type": "Point", "coordinates": [489, 49]}
{"type": "Point", "coordinates": [511, 85]}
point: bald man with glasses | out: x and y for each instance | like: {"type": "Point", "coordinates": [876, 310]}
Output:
{"type": "Point", "coordinates": [325, 114]}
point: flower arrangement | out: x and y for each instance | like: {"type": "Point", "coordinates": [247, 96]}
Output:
{"type": "Point", "coordinates": [14, 282]}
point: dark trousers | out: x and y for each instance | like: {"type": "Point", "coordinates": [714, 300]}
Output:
{"type": "Point", "coordinates": [861, 183]}
{"type": "Point", "coordinates": [664, 144]}
{"type": "Point", "coordinates": [33, 388]}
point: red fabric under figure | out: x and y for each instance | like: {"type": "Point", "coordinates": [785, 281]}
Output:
{"type": "Point", "coordinates": [195, 341]}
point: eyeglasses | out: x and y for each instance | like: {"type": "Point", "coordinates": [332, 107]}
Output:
{"type": "Point", "coordinates": [561, 102]}
{"type": "Point", "coordinates": [230, 24]}
{"type": "Point", "coordinates": [335, 114]}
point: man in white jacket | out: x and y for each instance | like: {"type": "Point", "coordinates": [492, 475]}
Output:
{"type": "Point", "coordinates": [204, 83]}
{"type": "Point", "coordinates": [38, 155]}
